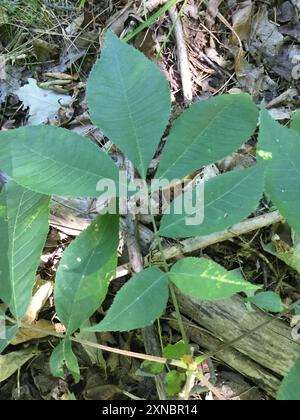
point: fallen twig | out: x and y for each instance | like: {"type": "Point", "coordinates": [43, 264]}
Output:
{"type": "Point", "coordinates": [190, 245]}
{"type": "Point", "coordinates": [132, 242]}
{"type": "Point", "coordinates": [182, 52]}
{"type": "Point", "coordinates": [183, 56]}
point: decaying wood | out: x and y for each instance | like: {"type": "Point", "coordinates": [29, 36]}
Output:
{"type": "Point", "coordinates": [265, 356]}
{"type": "Point", "coordinates": [264, 379]}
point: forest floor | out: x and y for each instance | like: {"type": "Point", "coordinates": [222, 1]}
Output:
{"type": "Point", "coordinates": [49, 46]}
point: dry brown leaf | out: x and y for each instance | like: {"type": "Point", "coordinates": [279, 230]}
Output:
{"type": "Point", "coordinates": [11, 362]}
{"type": "Point", "coordinates": [265, 38]}
{"type": "Point", "coordinates": [25, 334]}
{"type": "Point", "coordinates": [241, 21]}
{"type": "Point", "coordinates": [286, 12]}
{"type": "Point", "coordinates": [102, 392]}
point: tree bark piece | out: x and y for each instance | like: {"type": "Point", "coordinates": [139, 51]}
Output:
{"type": "Point", "coordinates": [271, 347]}
{"type": "Point", "coordinates": [264, 379]}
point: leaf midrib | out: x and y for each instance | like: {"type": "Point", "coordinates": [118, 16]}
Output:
{"type": "Point", "coordinates": [67, 165]}
{"type": "Point", "coordinates": [196, 139]}
{"type": "Point", "coordinates": [130, 115]}
{"type": "Point", "coordinates": [139, 297]}
{"type": "Point", "coordinates": [179, 220]}
{"type": "Point", "coordinates": [13, 255]}
{"type": "Point", "coordinates": [81, 280]}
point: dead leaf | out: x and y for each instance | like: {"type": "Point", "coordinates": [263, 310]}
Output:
{"type": "Point", "coordinates": [286, 12]}
{"type": "Point", "coordinates": [287, 62]}
{"type": "Point", "coordinates": [11, 362]}
{"type": "Point", "coordinates": [265, 38]}
{"type": "Point", "coordinates": [296, 3]}
{"type": "Point", "coordinates": [291, 30]}
{"type": "Point", "coordinates": [68, 57]}
{"type": "Point", "coordinates": [253, 79]}
{"type": "Point", "coordinates": [25, 334]}
{"type": "Point", "coordinates": [10, 79]}
{"type": "Point", "coordinates": [280, 114]}
{"type": "Point", "coordinates": [213, 7]}
{"type": "Point", "coordinates": [242, 20]}
{"type": "Point", "coordinates": [213, 55]}
{"type": "Point", "coordinates": [75, 26]}
{"type": "Point", "coordinates": [101, 392]}
{"type": "Point", "coordinates": [43, 104]}
{"type": "Point", "coordinates": [43, 50]}
{"type": "Point", "coordinates": [290, 254]}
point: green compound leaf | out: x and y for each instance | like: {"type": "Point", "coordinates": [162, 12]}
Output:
{"type": "Point", "coordinates": [85, 271]}
{"type": "Point", "coordinates": [295, 123]}
{"type": "Point", "coordinates": [23, 231]}
{"type": "Point", "coordinates": [208, 131]}
{"type": "Point", "coordinates": [290, 387]}
{"type": "Point", "coordinates": [228, 199]}
{"type": "Point", "coordinates": [129, 99]}
{"type": "Point", "coordinates": [54, 161]}
{"type": "Point", "coordinates": [204, 279]}
{"type": "Point", "coordinates": [138, 304]}
{"type": "Point", "coordinates": [269, 301]}
{"type": "Point", "coordinates": [280, 148]}
{"type": "Point", "coordinates": [63, 356]}
{"type": "Point", "coordinates": [6, 335]}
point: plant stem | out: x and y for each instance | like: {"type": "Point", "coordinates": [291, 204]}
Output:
{"type": "Point", "coordinates": [127, 353]}
{"type": "Point", "coordinates": [179, 318]}
{"type": "Point", "coordinates": [173, 295]}
{"type": "Point", "coordinates": [137, 265]}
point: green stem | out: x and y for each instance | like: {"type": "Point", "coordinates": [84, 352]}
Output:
{"type": "Point", "coordinates": [126, 353]}
{"type": "Point", "coordinates": [179, 318]}
{"type": "Point", "coordinates": [171, 287]}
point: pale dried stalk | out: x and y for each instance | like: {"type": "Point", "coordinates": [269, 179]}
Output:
{"type": "Point", "coordinates": [190, 245]}
{"type": "Point", "coordinates": [182, 52]}
{"type": "Point", "coordinates": [132, 242]}
{"type": "Point", "coordinates": [183, 56]}
{"type": "Point", "coordinates": [126, 353]}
